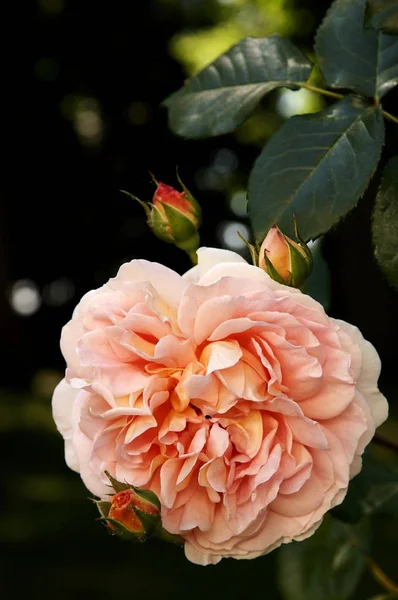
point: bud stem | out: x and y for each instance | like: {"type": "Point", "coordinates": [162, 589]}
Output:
{"type": "Point", "coordinates": [165, 536]}
{"type": "Point", "coordinates": [193, 256]}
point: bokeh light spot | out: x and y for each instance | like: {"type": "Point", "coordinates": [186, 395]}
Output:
{"type": "Point", "coordinates": [58, 292]}
{"type": "Point", "coordinates": [25, 297]}
{"type": "Point", "coordinates": [52, 6]}
{"type": "Point", "coordinates": [88, 122]}
{"type": "Point", "coordinates": [139, 113]}
{"type": "Point", "coordinates": [207, 178]}
{"type": "Point", "coordinates": [46, 69]}
{"type": "Point", "coordinates": [228, 234]}
{"type": "Point", "coordinates": [238, 203]}
{"type": "Point", "coordinates": [300, 102]}
{"type": "Point", "coordinates": [225, 161]}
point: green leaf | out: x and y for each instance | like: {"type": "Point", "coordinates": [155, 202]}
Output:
{"type": "Point", "coordinates": [383, 14]}
{"type": "Point", "coordinates": [373, 491]}
{"type": "Point", "coordinates": [387, 76]}
{"type": "Point", "coordinates": [326, 566]}
{"type": "Point", "coordinates": [316, 167]}
{"type": "Point", "coordinates": [351, 56]}
{"type": "Point", "coordinates": [222, 96]}
{"type": "Point", "coordinates": [385, 223]}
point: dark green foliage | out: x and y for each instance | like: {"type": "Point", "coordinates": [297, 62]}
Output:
{"type": "Point", "coordinates": [350, 56]}
{"type": "Point", "coordinates": [316, 167]}
{"type": "Point", "coordinates": [327, 565]}
{"type": "Point", "coordinates": [382, 14]}
{"type": "Point", "coordinates": [385, 223]}
{"type": "Point", "coordinates": [222, 96]}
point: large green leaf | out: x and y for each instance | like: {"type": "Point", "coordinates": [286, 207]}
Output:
{"type": "Point", "coordinates": [383, 14]}
{"type": "Point", "coordinates": [222, 96]}
{"type": "Point", "coordinates": [316, 167]}
{"type": "Point", "coordinates": [373, 491]}
{"type": "Point", "coordinates": [351, 56]}
{"type": "Point", "coordinates": [385, 223]}
{"type": "Point", "coordinates": [326, 566]}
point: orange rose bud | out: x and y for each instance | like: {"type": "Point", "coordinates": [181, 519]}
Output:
{"type": "Point", "coordinates": [285, 260]}
{"type": "Point", "coordinates": [122, 511]}
{"type": "Point", "coordinates": [132, 513]}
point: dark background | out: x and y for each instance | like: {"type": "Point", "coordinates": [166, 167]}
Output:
{"type": "Point", "coordinates": [92, 126]}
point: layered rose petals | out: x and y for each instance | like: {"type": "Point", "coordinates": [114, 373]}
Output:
{"type": "Point", "coordinates": [232, 397]}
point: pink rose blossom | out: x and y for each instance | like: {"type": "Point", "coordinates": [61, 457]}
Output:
{"type": "Point", "coordinates": [235, 399]}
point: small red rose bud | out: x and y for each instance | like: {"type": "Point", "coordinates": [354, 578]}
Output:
{"type": "Point", "coordinates": [165, 195]}
{"type": "Point", "coordinates": [285, 260]}
{"type": "Point", "coordinates": [174, 217]}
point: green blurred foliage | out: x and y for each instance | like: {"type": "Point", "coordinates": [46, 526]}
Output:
{"type": "Point", "coordinates": [228, 21]}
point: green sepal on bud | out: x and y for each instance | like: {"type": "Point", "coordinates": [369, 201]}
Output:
{"type": "Point", "coordinates": [123, 532]}
{"type": "Point", "coordinates": [252, 249]}
{"type": "Point", "coordinates": [273, 273]}
{"type": "Point", "coordinates": [195, 206]}
{"type": "Point", "coordinates": [134, 514]}
{"type": "Point", "coordinates": [176, 229]}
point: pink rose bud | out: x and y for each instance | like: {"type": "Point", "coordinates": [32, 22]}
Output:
{"type": "Point", "coordinates": [285, 260]}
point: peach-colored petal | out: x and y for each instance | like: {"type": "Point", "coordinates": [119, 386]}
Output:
{"type": "Point", "coordinates": [62, 404]}
{"type": "Point", "coordinates": [165, 281]}
{"type": "Point", "coordinates": [218, 441]}
{"type": "Point", "coordinates": [245, 432]}
{"type": "Point", "coordinates": [220, 355]}
{"type": "Point", "coordinates": [307, 432]}
{"type": "Point", "coordinates": [209, 257]}
{"type": "Point", "coordinates": [370, 371]}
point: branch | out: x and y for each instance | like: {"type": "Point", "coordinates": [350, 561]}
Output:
{"type": "Point", "coordinates": [322, 91]}
{"type": "Point", "coordinates": [389, 116]}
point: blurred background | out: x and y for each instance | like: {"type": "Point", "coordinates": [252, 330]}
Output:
{"type": "Point", "coordinates": [92, 125]}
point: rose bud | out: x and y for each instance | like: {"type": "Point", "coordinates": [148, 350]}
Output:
{"type": "Point", "coordinates": [174, 217]}
{"type": "Point", "coordinates": [132, 513]}
{"type": "Point", "coordinates": [285, 260]}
